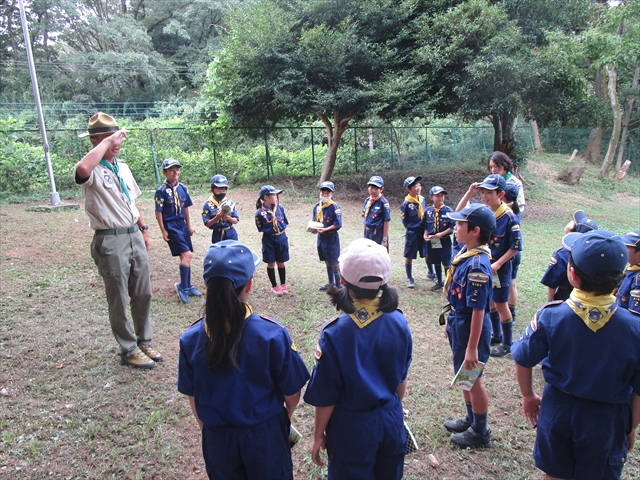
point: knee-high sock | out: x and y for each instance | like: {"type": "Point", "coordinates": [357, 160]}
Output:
{"type": "Point", "coordinates": [507, 332]}
{"type": "Point", "coordinates": [282, 273]}
{"type": "Point", "coordinates": [271, 272]}
{"type": "Point", "coordinates": [185, 277]}
{"type": "Point", "coordinates": [336, 275]}
{"type": "Point", "coordinates": [330, 273]}
{"type": "Point", "coordinates": [439, 273]}
{"type": "Point", "coordinates": [480, 423]}
{"type": "Point", "coordinates": [495, 324]}
{"type": "Point", "coordinates": [408, 270]}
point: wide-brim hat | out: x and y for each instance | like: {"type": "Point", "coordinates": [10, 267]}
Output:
{"type": "Point", "coordinates": [365, 264]}
{"type": "Point", "coordinates": [100, 124]}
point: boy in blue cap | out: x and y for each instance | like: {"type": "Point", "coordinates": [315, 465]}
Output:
{"type": "Point", "coordinates": [589, 349]}
{"type": "Point", "coordinates": [505, 242]}
{"type": "Point", "coordinates": [219, 213]}
{"type": "Point", "coordinates": [360, 375]}
{"type": "Point", "coordinates": [468, 289]}
{"type": "Point", "coordinates": [376, 213]}
{"type": "Point", "coordinates": [327, 212]}
{"type": "Point", "coordinates": [628, 293]}
{"type": "Point", "coordinates": [172, 213]}
{"type": "Point", "coordinates": [555, 278]}
{"type": "Point", "coordinates": [413, 209]}
{"type": "Point", "coordinates": [242, 373]}
{"type": "Point", "coordinates": [437, 234]}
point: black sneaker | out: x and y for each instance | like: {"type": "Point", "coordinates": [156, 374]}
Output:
{"type": "Point", "coordinates": [470, 439]}
{"type": "Point", "coordinates": [501, 350]}
{"type": "Point", "coordinates": [457, 426]}
{"type": "Point", "coordinates": [437, 287]}
{"type": "Point", "coordinates": [496, 341]}
{"type": "Point", "coordinates": [324, 287]}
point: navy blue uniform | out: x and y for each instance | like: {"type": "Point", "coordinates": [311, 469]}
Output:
{"type": "Point", "coordinates": [171, 200]}
{"type": "Point", "coordinates": [222, 229]}
{"type": "Point", "coordinates": [585, 415]}
{"type": "Point", "coordinates": [246, 427]}
{"type": "Point", "coordinates": [375, 213]}
{"type": "Point", "coordinates": [360, 363]}
{"type": "Point", "coordinates": [628, 294]}
{"type": "Point", "coordinates": [328, 243]}
{"type": "Point", "coordinates": [436, 221]}
{"type": "Point", "coordinates": [470, 288]}
{"type": "Point", "coordinates": [504, 237]}
{"type": "Point", "coordinates": [556, 274]}
{"type": "Point", "coordinates": [413, 221]}
{"type": "Point", "coordinates": [275, 244]}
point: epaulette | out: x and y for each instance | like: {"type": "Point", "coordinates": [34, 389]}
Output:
{"type": "Point", "coordinates": [534, 322]}
{"type": "Point", "coordinates": [329, 322]}
{"type": "Point", "coordinates": [318, 351]}
{"type": "Point", "coordinates": [201, 318]}
{"type": "Point", "coordinates": [272, 320]}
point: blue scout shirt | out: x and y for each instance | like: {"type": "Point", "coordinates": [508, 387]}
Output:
{"type": "Point", "coordinates": [410, 214]}
{"type": "Point", "coordinates": [505, 236]}
{"type": "Point", "coordinates": [436, 221]}
{"type": "Point", "coordinates": [331, 215]}
{"type": "Point", "coordinates": [556, 274]}
{"type": "Point", "coordinates": [376, 213]}
{"type": "Point", "coordinates": [166, 201]}
{"type": "Point", "coordinates": [603, 366]}
{"type": "Point", "coordinates": [360, 367]}
{"type": "Point", "coordinates": [265, 220]}
{"type": "Point", "coordinates": [210, 210]}
{"type": "Point", "coordinates": [471, 286]}
{"type": "Point", "coordinates": [628, 294]}
{"type": "Point", "coordinates": [269, 368]}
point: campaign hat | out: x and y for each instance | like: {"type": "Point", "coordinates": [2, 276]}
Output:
{"type": "Point", "coordinates": [99, 124]}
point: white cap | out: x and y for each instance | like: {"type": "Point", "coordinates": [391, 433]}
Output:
{"type": "Point", "coordinates": [365, 264]}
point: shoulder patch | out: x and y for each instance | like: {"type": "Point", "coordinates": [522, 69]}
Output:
{"type": "Point", "coordinates": [534, 322]}
{"type": "Point", "coordinates": [478, 277]}
{"type": "Point", "coordinates": [272, 320]}
{"type": "Point", "coordinates": [553, 261]}
{"type": "Point", "coordinates": [515, 228]}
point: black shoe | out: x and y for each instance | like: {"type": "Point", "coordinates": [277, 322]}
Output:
{"type": "Point", "coordinates": [324, 287]}
{"type": "Point", "coordinates": [470, 439]}
{"type": "Point", "coordinates": [437, 287]}
{"type": "Point", "coordinates": [496, 341]}
{"type": "Point", "coordinates": [501, 350]}
{"type": "Point", "coordinates": [457, 426]}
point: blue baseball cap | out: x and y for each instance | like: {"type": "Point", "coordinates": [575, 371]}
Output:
{"type": "Point", "coordinates": [219, 181]}
{"type": "Point", "coordinates": [436, 190]}
{"type": "Point", "coordinates": [511, 192]}
{"type": "Point", "coordinates": [230, 259]}
{"type": "Point", "coordinates": [476, 213]}
{"type": "Point", "coordinates": [268, 190]}
{"type": "Point", "coordinates": [583, 224]}
{"type": "Point", "coordinates": [596, 251]}
{"type": "Point", "coordinates": [376, 181]}
{"type": "Point", "coordinates": [409, 181]}
{"type": "Point", "coordinates": [494, 182]}
{"type": "Point", "coordinates": [170, 162]}
{"type": "Point", "coordinates": [327, 186]}
{"type": "Point", "coordinates": [632, 239]}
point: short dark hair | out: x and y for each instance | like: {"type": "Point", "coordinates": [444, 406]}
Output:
{"type": "Point", "coordinates": [612, 279]}
{"type": "Point", "coordinates": [485, 235]}
{"type": "Point", "coordinates": [502, 160]}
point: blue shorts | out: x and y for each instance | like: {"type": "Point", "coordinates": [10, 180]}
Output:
{"type": "Point", "coordinates": [414, 243]}
{"type": "Point", "coordinates": [329, 254]}
{"type": "Point", "coordinates": [458, 330]}
{"type": "Point", "coordinates": [179, 238]}
{"type": "Point", "coordinates": [375, 234]}
{"type": "Point", "coordinates": [438, 256]}
{"type": "Point", "coordinates": [515, 265]}
{"type": "Point", "coordinates": [253, 452]}
{"type": "Point", "coordinates": [580, 438]}
{"type": "Point", "coordinates": [501, 295]}
{"type": "Point", "coordinates": [275, 248]}
{"type": "Point", "coordinates": [367, 444]}
{"type": "Point", "coordinates": [218, 235]}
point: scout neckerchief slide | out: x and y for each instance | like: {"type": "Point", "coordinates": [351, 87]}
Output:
{"type": "Point", "coordinates": [320, 211]}
{"type": "Point", "coordinates": [418, 201]}
{"type": "Point", "coordinates": [115, 168]}
{"type": "Point", "coordinates": [370, 202]}
{"type": "Point", "coordinates": [176, 198]}
{"type": "Point", "coordinates": [464, 253]}
{"type": "Point", "coordinates": [594, 310]}
{"type": "Point", "coordinates": [274, 219]}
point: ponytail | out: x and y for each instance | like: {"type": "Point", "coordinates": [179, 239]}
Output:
{"type": "Point", "coordinates": [341, 299]}
{"type": "Point", "coordinates": [259, 203]}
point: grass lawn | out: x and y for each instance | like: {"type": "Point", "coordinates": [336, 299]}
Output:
{"type": "Point", "coordinates": [69, 409]}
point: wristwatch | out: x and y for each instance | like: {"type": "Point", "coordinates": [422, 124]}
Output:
{"type": "Point", "coordinates": [144, 227]}
{"type": "Point", "coordinates": [384, 239]}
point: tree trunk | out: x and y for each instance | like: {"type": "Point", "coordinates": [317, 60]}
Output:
{"type": "Point", "coordinates": [617, 120]}
{"type": "Point", "coordinates": [627, 118]}
{"type": "Point", "coordinates": [497, 133]}
{"type": "Point", "coordinates": [535, 133]}
{"type": "Point", "coordinates": [592, 153]}
{"type": "Point", "coordinates": [504, 129]}
{"type": "Point", "coordinates": [334, 134]}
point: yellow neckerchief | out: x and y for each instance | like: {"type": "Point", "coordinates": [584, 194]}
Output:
{"type": "Point", "coordinates": [227, 327]}
{"type": "Point", "coordinates": [366, 311]}
{"type": "Point", "coordinates": [594, 310]}
{"type": "Point", "coordinates": [215, 201]}
{"type": "Point", "coordinates": [320, 211]}
{"type": "Point", "coordinates": [463, 254]}
{"type": "Point", "coordinates": [176, 198]}
{"type": "Point", "coordinates": [632, 268]}
{"type": "Point", "coordinates": [274, 219]}
{"type": "Point", "coordinates": [370, 201]}
{"type": "Point", "coordinates": [436, 224]}
{"type": "Point", "coordinates": [501, 211]}
{"type": "Point", "coordinates": [418, 200]}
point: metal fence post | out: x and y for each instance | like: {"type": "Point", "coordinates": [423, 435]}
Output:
{"type": "Point", "coordinates": [77, 142]}
{"type": "Point", "coordinates": [426, 141]}
{"type": "Point", "coordinates": [313, 153]}
{"type": "Point", "coordinates": [213, 146]}
{"type": "Point", "coordinates": [155, 160]}
{"type": "Point", "coordinates": [391, 146]}
{"type": "Point", "coordinates": [266, 150]}
{"type": "Point", "coordinates": [455, 153]}
{"type": "Point", "coordinates": [355, 148]}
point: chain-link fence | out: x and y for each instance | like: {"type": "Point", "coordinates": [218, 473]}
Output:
{"type": "Point", "coordinates": [256, 154]}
